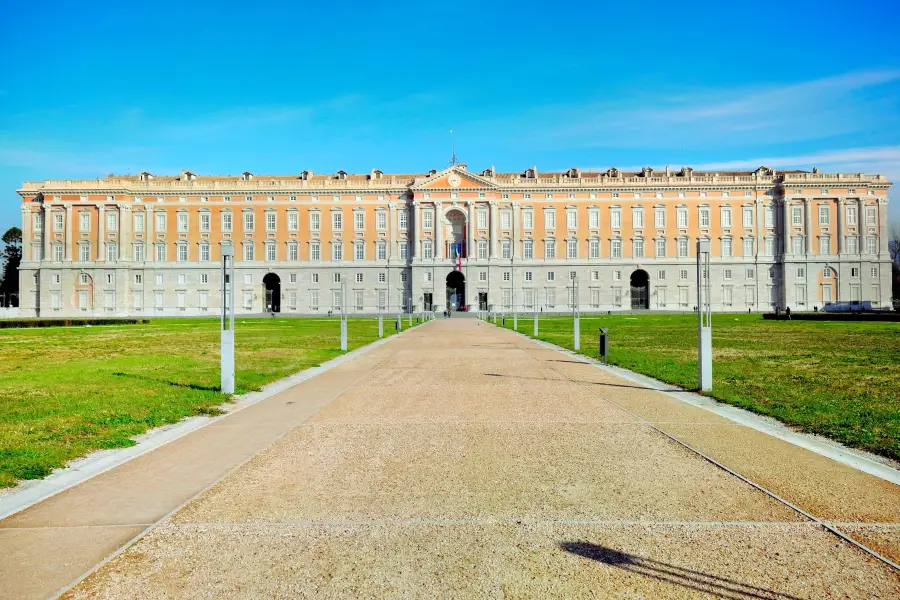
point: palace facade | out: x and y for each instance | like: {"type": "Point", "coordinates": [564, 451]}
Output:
{"type": "Point", "coordinates": [307, 244]}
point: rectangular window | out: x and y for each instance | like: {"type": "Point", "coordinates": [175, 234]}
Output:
{"type": "Point", "coordinates": [204, 252]}
{"type": "Point", "coordinates": [111, 221]}
{"type": "Point", "coordinates": [481, 219]}
{"type": "Point", "coordinates": [726, 274]}
{"type": "Point", "coordinates": [593, 218]}
{"type": "Point", "coordinates": [682, 218]}
{"type": "Point", "coordinates": [571, 219]}
{"type": "Point", "coordinates": [59, 218]}
{"type": "Point", "coordinates": [748, 217]}
{"type": "Point", "coordinates": [58, 252]}
{"type": "Point", "coordinates": [84, 221]}
{"type": "Point", "coordinates": [204, 221]}
{"type": "Point", "coordinates": [314, 221]}
{"type": "Point", "coordinates": [796, 216]}
{"type": "Point", "coordinates": [381, 251]}
{"type": "Point", "coordinates": [226, 222]}
{"type": "Point", "coordinates": [726, 217]}
{"type": "Point", "coordinates": [404, 250]}
{"type": "Point", "coordinates": [248, 221]}
{"type": "Point", "coordinates": [182, 252]}
{"type": "Point", "coordinates": [748, 246]}
{"type": "Point", "coordinates": [293, 253]}
{"type": "Point", "coordinates": [726, 247]}
{"type": "Point", "coordinates": [160, 252]}
{"type": "Point", "coordinates": [137, 300]}
{"type": "Point", "coordinates": [615, 218]}
{"type": "Point", "coordinates": [270, 221]}
{"type": "Point", "coordinates": [506, 249]}
{"type": "Point", "coordinates": [682, 247]}
{"type": "Point", "coordinates": [659, 218]}
{"type": "Point", "coordinates": [572, 249]}
{"type": "Point", "coordinates": [638, 248]}
{"type": "Point", "coordinates": [482, 276]}
{"type": "Point", "coordinates": [870, 216]}
{"type": "Point", "coordinates": [770, 246]}
{"type": "Point", "coordinates": [248, 300]}
{"type": "Point", "coordinates": [37, 222]}
{"type": "Point", "coordinates": [823, 215]}
{"type": "Point", "coordinates": [380, 220]}
{"type": "Point", "coordinates": [314, 299]}
{"type": "Point", "coordinates": [824, 245]}
{"type": "Point", "coordinates": [550, 249]}
{"type": "Point", "coordinates": [505, 219]}
{"type": "Point", "coordinates": [801, 294]}
{"type": "Point", "coordinates": [551, 276]}
{"type": "Point", "coordinates": [615, 249]}
{"type": "Point", "coordinates": [482, 249]}
{"type": "Point", "coordinates": [527, 219]}
{"type": "Point", "coordinates": [382, 300]}
{"type": "Point", "coordinates": [293, 220]}
{"type": "Point", "coordinates": [270, 252]}
{"type": "Point", "coordinates": [683, 274]}
{"type": "Point", "coordinates": [770, 216]}
{"type": "Point", "coordinates": [248, 251]}
{"type": "Point", "coordinates": [528, 275]}
{"type": "Point", "coordinates": [204, 278]}
{"type": "Point", "coordinates": [661, 297]}
{"type": "Point", "coordinates": [704, 217]}
{"type": "Point", "coordinates": [359, 220]}
{"type": "Point", "coordinates": [727, 296]}
{"type": "Point", "coordinates": [852, 246]}
{"type": "Point", "coordinates": [617, 297]}
{"type": "Point", "coordinates": [337, 221]}
{"type": "Point", "coordinates": [661, 248]}
{"type": "Point", "coordinates": [637, 218]}
{"type": "Point", "coordinates": [594, 248]}
{"type": "Point", "coordinates": [683, 296]}
{"type": "Point", "coordinates": [550, 219]}
{"type": "Point", "coordinates": [403, 216]}
{"type": "Point", "coordinates": [529, 298]}
{"type": "Point", "coordinates": [315, 251]}
{"type": "Point", "coordinates": [528, 249]}
{"type": "Point", "coordinates": [181, 300]}
{"type": "Point", "coordinates": [617, 275]}
{"type": "Point", "coordinates": [871, 245]}
{"type": "Point", "coordinates": [337, 251]}
{"type": "Point", "coordinates": [160, 222]}
{"type": "Point", "coordinates": [182, 222]}
{"type": "Point", "coordinates": [851, 215]}
{"type": "Point", "coordinates": [874, 273]}
{"type": "Point", "coordinates": [139, 252]}
{"type": "Point", "coordinates": [111, 252]}
{"type": "Point", "coordinates": [797, 245]}
{"type": "Point", "coordinates": [109, 299]}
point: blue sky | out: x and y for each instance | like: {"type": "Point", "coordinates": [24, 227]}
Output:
{"type": "Point", "coordinates": [89, 89]}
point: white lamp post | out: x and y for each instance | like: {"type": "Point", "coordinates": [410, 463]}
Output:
{"type": "Point", "coordinates": [226, 342]}
{"type": "Point", "coordinates": [704, 316]}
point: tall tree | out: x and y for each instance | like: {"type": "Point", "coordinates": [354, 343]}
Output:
{"type": "Point", "coordinates": [12, 256]}
{"type": "Point", "coordinates": [894, 248]}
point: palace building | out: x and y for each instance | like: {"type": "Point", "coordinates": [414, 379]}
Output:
{"type": "Point", "coordinates": [308, 244]}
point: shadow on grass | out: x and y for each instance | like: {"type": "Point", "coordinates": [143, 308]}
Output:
{"type": "Point", "coordinates": [193, 386]}
{"type": "Point", "coordinates": [720, 587]}
{"type": "Point", "coordinates": [617, 385]}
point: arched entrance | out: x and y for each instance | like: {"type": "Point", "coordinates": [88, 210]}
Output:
{"type": "Point", "coordinates": [453, 229]}
{"type": "Point", "coordinates": [273, 292]}
{"type": "Point", "coordinates": [640, 290]}
{"type": "Point", "coordinates": [456, 290]}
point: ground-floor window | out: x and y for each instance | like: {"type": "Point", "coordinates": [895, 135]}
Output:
{"type": "Point", "coordinates": [314, 299]}
{"type": "Point", "coordinates": [158, 300]}
{"type": "Point", "coordinates": [203, 300]}
{"type": "Point", "coordinates": [55, 300]}
{"type": "Point", "coordinates": [292, 300]}
{"type": "Point", "coordinates": [750, 294]}
{"type": "Point", "coordinates": [661, 296]}
{"type": "Point", "coordinates": [595, 297]}
{"type": "Point", "coordinates": [854, 293]}
{"type": "Point", "coordinates": [529, 298]}
{"type": "Point", "coordinates": [82, 300]}
{"type": "Point", "coordinates": [727, 296]}
{"type": "Point", "coordinates": [551, 297]}
{"type": "Point", "coordinates": [137, 300]}
{"type": "Point", "coordinates": [617, 297]}
{"type": "Point", "coordinates": [826, 293]}
{"type": "Point", "coordinates": [801, 294]}
{"type": "Point", "coordinates": [382, 300]}
{"type": "Point", "coordinates": [181, 300]}
{"type": "Point", "coordinates": [876, 294]}
{"type": "Point", "coordinates": [683, 296]}
{"type": "Point", "coordinates": [335, 299]}
{"type": "Point", "coordinates": [358, 299]}
{"type": "Point", "coordinates": [248, 300]}
{"type": "Point", "coordinates": [109, 299]}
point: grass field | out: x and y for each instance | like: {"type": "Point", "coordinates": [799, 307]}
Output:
{"type": "Point", "coordinates": [68, 391]}
{"type": "Point", "coordinates": [837, 379]}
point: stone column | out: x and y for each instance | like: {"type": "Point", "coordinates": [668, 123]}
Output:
{"type": "Point", "coordinates": [516, 251]}
{"type": "Point", "coordinates": [125, 221]}
{"type": "Point", "coordinates": [413, 230]}
{"type": "Point", "coordinates": [883, 236]}
{"type": "Point", "coordinates": [760, 229]}
{"type": "Point", "coordinates": [27, 248]}
{"type": "Point", "coordinates": [860, 229]}
{"type": "Point", "coordinates": [70, 233]}
{"type": "Point", "coordinates": [495, 227]}
{"type": "Point", "coordinates": [47, 230]}
{"type": "Point", "coordinates": [470, 232]}
{"type": "Point", "coordinates": [438, 232]}
{"type": "Point", "coordinates": [101, 234]}
{"type": "Point", "coordinates": [149, 224]}
{"type": "Point", "coordinates": [808, 225]}
{"type": "Point", "coordinates": [840, 226]}
{"type": "Point", "coordinates": [786, 230]}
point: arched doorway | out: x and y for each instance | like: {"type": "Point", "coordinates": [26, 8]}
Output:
{"type": "Point", "coordinates": [640, 290]}
{"type": "Point", "coordinates": [273, 292]}
{"type": "Point", "coordinates": [456, 290]}
{"type": "Point", "coordinates": [454, 233]}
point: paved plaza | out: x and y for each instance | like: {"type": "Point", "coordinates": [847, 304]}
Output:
{"type": "Point", "coordinates": [462, 460]}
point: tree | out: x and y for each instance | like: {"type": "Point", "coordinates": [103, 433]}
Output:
{"type": "Point", "coordinates": [12, 256]}
{"type": "Point", "coordinates": [894, 249]}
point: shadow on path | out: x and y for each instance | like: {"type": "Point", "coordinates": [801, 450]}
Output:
{"type": "Point", "coordinates": [714, 585]}
{"type": "Point", "coordinates": [618, 385]}
{"type": "Point", "coordinates": [193, 386]}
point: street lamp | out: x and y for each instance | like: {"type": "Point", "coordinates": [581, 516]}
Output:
{"type": "Point", "coordinates": [575, 316]}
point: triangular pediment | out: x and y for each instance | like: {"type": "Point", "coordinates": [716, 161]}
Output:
{"type": "Point", "coordinates": [453, 178]}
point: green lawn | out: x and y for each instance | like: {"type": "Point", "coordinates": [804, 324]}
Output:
{"type": "Point", "coordinates": [67, 391]}
{"type": "Point", "coordinates": [833, 378]}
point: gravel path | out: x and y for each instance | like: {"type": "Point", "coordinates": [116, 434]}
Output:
{"type": "Point", "coordinates": [472, 463]}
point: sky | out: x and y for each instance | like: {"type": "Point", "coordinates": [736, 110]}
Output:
{"type": "Point", "coordinates": [89, 89]}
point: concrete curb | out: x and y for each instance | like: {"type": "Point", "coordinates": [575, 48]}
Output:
{"type": "Point", "coordinates": [857, 459]}
{"type": "Point", "coordinates": [82, 469]}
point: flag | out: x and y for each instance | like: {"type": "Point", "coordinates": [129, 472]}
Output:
{"type": "Point", "coordinates": [459, 257]}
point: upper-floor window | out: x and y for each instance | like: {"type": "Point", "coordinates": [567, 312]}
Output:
{"type": "Point", "coordinates": [58, 220]}
{"type": "Point", "coordinates": [139, 222]}
{"type": "Point", "coordinates": [293, 220]}
{"type": "Point", "coordinates": [182, 222]}
{"type": "Point", "coordinates": [770, 216]}
{"type": "Point", "coordinates": [506, 249]}
{"type": "Point", "coordinates": [315, 221]}
{"type": "Point", "coordinates": [481, 218]}
{"type": "Point", "coordinates": [359, 220]}
{"type": "Point", "coordinates": [571, 219]}
{"type": "Point", "coordinates": [337, 220]}
{"type": "Point", "coordinates": [637, 218]}
{"type": "Point", "coordinates": [226, 221]}
{"type": "Point", "coordinates": [615, 248]}
{"type": "Point", "coordinates": [248, 221]}
{"type": "Point", "coordinates": [550, 219]}
{"type": "Point", "coordinates": [528, 249]}
{"type": "Point", "coordinates": [704, 217]}
{"type": "Point", "coordinates": [204, 221]}
{"type": "Point", "coordinates": [796, 216]}
{"type": "Point", "coordinates": [870, 216]}
{"type": "Point", "coordinates": [682, 214]}
{"type": "Point", "coordinates": [748, 217]}
{"type": "Point", "coordinates": [659, 218]}
{"type": "Point", "coordinates": [111, 221]}
{"type": "Point", "coordinates": [594, 249]}
{"type": "Point", "coordinates": [403, 220]}
{"type": "Point", "coordinates": [505, 219]}
{"type": "Point", "coordinates": [427, 219]}
{"type": "Point", "coordinates": [380, 220]}
{"type": "Point", "coordinates": [824, 215]}
{"type": "Point", "coordinates": [550, 249]}
{"type": "Point", "coordinates": [37, 222]}
{"type": "Point", "coordinates": [84, 221]}
{"type": "Point", "coordinates": [594, 218]}
{"type": "Point", "coordinates": [160, 222]}
{"type": "Point", "coordinates": [851, 215]}
{"type": "Point", "coordinates": [270, 220]}
{"type": "Point", "coordinates": [726, 217]}
{"type": "Point", "coordinates": [615, 218]}
{"type": "Point", "coordinates": [527, 219]}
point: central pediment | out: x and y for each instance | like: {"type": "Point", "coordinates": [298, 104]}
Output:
{"type": "Point", "coordinates": [453, 178]}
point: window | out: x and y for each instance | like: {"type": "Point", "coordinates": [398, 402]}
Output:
{"type": "Point", "coordinates": [160, 222]}
{"type": "Point", "coordinates": [270, 251]}
{"type": "Point", "coordinates": [315, 251]}
{"type": "Point", "coordinates": [337, 251]}
{"type": "Point", "coordinates": [852, 246]}
{"type": "Point", "coordinates": [659, 218]}
{"type": "Point", "coordinates": [528, 249]}
{"type": "Point", "coordinates": [382, 277]}
{"type": "Point", "coordinates": [204, 278]}
{"type": "Point", "coordinates": [704, 217]}
{"type": "Point", "coordinates": [796, 216]}
{"type": "Point", "coordinates": [726, 247]}
{"type": "Point", "coordinates": [661, 275]}
{"type": "Point", "coordinates": [551, 276]}
{"type": "Point", "coordinates": [770, 216]}
{"type": "Point", "coordinates": [797, 244]}
{"type": "Point", "coordinates": [505, 219]}
{"type": "Point", "coordinates": [314, 278]}
{"type": "Point", "coordinates": [770, 246]}
{"type": "Point", "coordinates": [572, 249]}
{"type": "Point", "coordinates": [826, 273]}
{"type": "Point", "coordinates": [851, 215]}
{"type": "Point", "coordinates": [639, 248]}
{"type": "Point", "coordinates": [871, 245]}
{"type": "Point", "coordinates": [359, 278]}
{"type": "Point", "coordinates": [615, 248]}
{"type": "Point", "coordinates": [594, 249]}
{"type": "Point", "coordinates": [182, 278]}
{"type": "Point", "coordinates": [854, 272]}
{"type": "Point", "coordinates": [617, 297]}
{"type": "Point", "coordinates": [823, 215]}
{"type": "Point", "coordinates": [204, 252]}
{"type": "Point", "coordinates": [550, 219]}
{"type": "Point", "coordinates": [160, 252]}
{"type": "Point", "coordinates": [404, 277]}
{"type": "Point", "coordinates": [637, 218]}
{"type": "Point", "coordinates": [661, 296]}
{"type": "Point", "coordinates": [593, 218]}
{"type": "Point", "coordinates": [337, 220]}
{"type": "Point", "coordinates": [112, 252]}
{"type": "Point", "coordinates": [801, 272]}
{"type": "Point", "coordinates": [748, 246]}
{"type": "Point", "coordinates": [682, 218]}
{"type": "Point", "coordinates": [248, 298]}
{"type": "Point", "coordinates": [683, 274]}
{"type": "Point", "coordinates": [139, 253]}
{"type": "Point", "coordinates": [682, 247]}
{"type": "Point", "coordinates": [59, 218]}
{"type": "Point", "coordinates": [359, 251]}
{"type": "Point", "coordinates": [380, 220]}
{"type": "Point", "coordinates": [482, 276]}
{"type": "Point", "coordinates": [111, 221]}
{"type": "Point", "coordinates": [529, 298]}
{"type": "Point", "coordinates": [727, 297]}
{"type": "Point", "coordinates": [37, 222]}
{"type": "Point", "coordinates": [226, 221]}
{"type": "Point", "coordinates": [358, 299]}
{"type": "Point", "coordinates": [427, 249]}
{"type": "Point", "coordinates": [182, 252]}
{"type": "Point", "coordinates": [57, 252]}
{"type": "Point", "coordinates": [204, 221]}
{"type": "Point", "coordinates": [481, 218]}
{"type": "Point", "coordinates": [314, 221]}
{"type": "Point", "coordinates": [824, 245]}
{"type": "Point", "coordinates": [359, 220]}
{"type": "Point", "coordinates": [482, 249]}
{"type": "Point", "coordinates": [335, 278]}
{"type": "Point", "coordinates": [615, 218]}
{"type": "Point", "coordinates": [873, 272]}
{"type": "Point", "coordinates": [248, 221]}
{"type": "Point", "coordinates": [506, 275]}
{"type": "Point", "coordinates": [528, 275]}
{"type": "Point", "coordinates": [109, 299]}
{"type": "Point", "coordinates": [550, 249]}
{"type": "Point", "coordinates": [801, 294]}
{"type": "Point", "coordinates": [403, 217]}
{"type": "Point", "coordinates": [381, 250]}
{"type": "Point", "coordinates": [748, 217]}
{"type": "Point", "coordinates": [404, 250]}
{"type": "Point", "coordinates": [248, 250]}
{"type": "Point", "coordinates": [571, 219]}
{"type": "Point", "coordinates": [870, 216]}
{"type": "Point", "coordinates": [84, 221]}
{"type": "Point", "coordinates": [683, 296]}
{"type": "Point", "coordinates": [506, 249]}
{"type": "Point", "coordinates": [314, 299]}
{"type": "Point", "coordinates": [527, 219]}
{"type": "Point", "coordinates": [270, 220]}
{"type": "Point", "coordinates": [751, 273]}
{"type": "Point", "coordinates": [617, 275]}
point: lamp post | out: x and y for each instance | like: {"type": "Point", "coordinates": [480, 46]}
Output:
{"type": "Point", "coordinates": [512, 276]}
{"type": "Point", "coordinates": [343, 315]}
{"type": "Point", "coordinates": [226, 343]}
{"type": "Point", "coordinates": [575, 316]}
{"type": "Point", "coordinates": [704, 316]}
